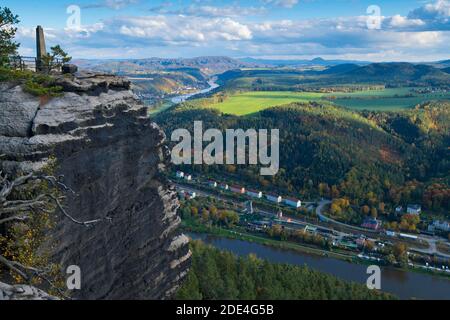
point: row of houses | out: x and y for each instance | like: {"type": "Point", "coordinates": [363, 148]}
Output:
{"type": "Point", "coordinates": [187, 195]}
{"type": "Point", "coordinates": [185, 176]}
{"type": "Point", "coordinates": [414, 209]}
{"type": "Point", "coordinates": [292, 202]}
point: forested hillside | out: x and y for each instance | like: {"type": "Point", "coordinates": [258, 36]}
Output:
{"type": "Point", "coordinates": [221, 275]}
{"type": "Point", "coordinates": [372, 157]}
{"type": "Point", "coordinates": [389, 74]}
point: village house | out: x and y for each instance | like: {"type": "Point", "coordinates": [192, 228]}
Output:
{"type": "Point", "coordinates": [191, 195]}
{"type": "Point", "coordinates": [391, 233]}
{"type": "Point", "coordinates": [372, 224]}
{"type": "Point", "coordinates": [254, 194]}
{"type": "Point", "coordinates": [180, 174]}
{"type": "Point", "coordinates": [295, 203]}
{"type": "Point", "coordinates": [361, 241]}
{"type": "Point", "coordinates": [187, 195]}
{"type": "Point", "coordinates": [188, 177]}
{"type": "Point", "coordinates": [438, 225]}
{"type": "Point", "coordinates": [224, 186]}
{"type": "Point", "coordinates": [237, 189]}
{"type": "Point", "coordinates": [399, 210]}
{"type": "Point", "coordinates": [212, 184]}
{"type": "Point", "coordinates": [274, 198]}
{"type": "Point", "coordinates": [311, 229]}
{"type": "Point", "coordinates": [414, 209]}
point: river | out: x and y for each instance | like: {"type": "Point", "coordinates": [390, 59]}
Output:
{"type": "Point", "coordinates": [404, 284]}
{"type": "Point", "coordinates": [179, 99]}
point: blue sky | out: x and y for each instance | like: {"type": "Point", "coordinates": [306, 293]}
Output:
{"type": "Point", "coordinates": [408, 30]}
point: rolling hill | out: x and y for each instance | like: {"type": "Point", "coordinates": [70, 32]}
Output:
{"type": "Point", "coordinates": [397, 156]}
{"type": "Point", "coordinates": [300, 63]}
{"type": "Point", "coordinates": [388, 74]}
{"type": "Point", "coordinates": [397, 72]}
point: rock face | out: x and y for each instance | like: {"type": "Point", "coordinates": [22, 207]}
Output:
{"type": "Point", "coordinates": [112, 156]}
{"type": "Point", "coordinates": [22, 292]}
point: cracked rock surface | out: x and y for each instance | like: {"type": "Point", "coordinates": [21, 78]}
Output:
{"type": "Point", "coordinates": [112, 155]}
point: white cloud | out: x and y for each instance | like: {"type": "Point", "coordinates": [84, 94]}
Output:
{"type": "Point", "coordinates": [210, 11]}
{"type": "Point", "coordinates": [399, 21]}
{"type": "Point", "coordinates": [113, 4]}
{"type": "Point", "coordinates": [282, 3]}
{"type": "Point", "coordinates": [180, 28]}
{"type": "Point", "coordinates": [222, 33]}
{"type": "Point", "coordinates": [436, 15]}
{"type": "Point", "coordinates": [438, 9]}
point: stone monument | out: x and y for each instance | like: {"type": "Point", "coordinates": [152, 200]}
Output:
{"type": "Point", "coordinates": [41, 50]}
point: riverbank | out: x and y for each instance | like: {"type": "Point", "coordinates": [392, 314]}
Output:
{"type": "Point", "coordinates": [403, 283]}
{"type": "Point", "coordinates": [235, 235]}
{"type": "Point", "coordinates": [190, 227]}
{"type": "Point", "coordinates": [168, 103]}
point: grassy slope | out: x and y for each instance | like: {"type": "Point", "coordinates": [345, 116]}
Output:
{"type": "Point", "coordinates": [244, 103]}
{"type": "Point", "coordinates": [251, 102]}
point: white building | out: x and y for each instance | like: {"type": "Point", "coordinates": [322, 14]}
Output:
{"type": "Point", "coordinates": [224, 186]}
{"type": "Point", "coordinates": [399, 209]}
{"type": "Point", "coordinates": [414, 209]}
{"type": "Point", "coordinates": [391, 233]}
{"type": "Point", "coordinates": [295, 203]}
{"type": "Point", "coordinates": [212, 184]}
{"type": "Point", "coordinates": [192, 195]}
{"type": "Point", "coordinates": [188, 177]}
{"type": "Point", "coordinates": [438, 225]}
{"type": "Point", "coordinates": [180, 174]}
{"type": "Point", "coordinates": [254, 194]}
{"type": "Point", "coordinates": [274, 198]}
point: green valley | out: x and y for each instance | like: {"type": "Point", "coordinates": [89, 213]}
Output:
{"type": "Point", "coordinates": [243, 103]}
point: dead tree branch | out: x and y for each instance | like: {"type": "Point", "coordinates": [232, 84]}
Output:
{"type": "Point", "coordinates": [21, 210]}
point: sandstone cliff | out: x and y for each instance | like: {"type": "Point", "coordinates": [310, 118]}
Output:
{"type": "Point", "coordinates": [112, 156]}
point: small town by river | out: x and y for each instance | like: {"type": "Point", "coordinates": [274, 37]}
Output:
{"type": "Point", "coordinates": [404, 284]}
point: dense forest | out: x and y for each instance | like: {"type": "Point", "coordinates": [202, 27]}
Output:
{"type": "Point", "coordinates": [374, 159]}
{"type": "Point", "coordinates": [388, 74]}
{"type": "Point", "coordinates": [222, 275]}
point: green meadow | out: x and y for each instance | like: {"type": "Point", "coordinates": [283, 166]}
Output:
{"type": "Point", "coordinates": [251, 102]}
{"type": "Point", "coordinates": [244, 103]}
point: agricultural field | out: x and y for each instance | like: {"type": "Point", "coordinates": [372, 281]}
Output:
{"type": "Point", "coordinates": [244, 103]}
{"type": "Point", "coordinates": [252, 102]}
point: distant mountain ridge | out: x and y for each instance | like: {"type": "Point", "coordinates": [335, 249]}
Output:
{"type": "Point", "coordinates": [297, 63]}
{"type": "Point", "coordinates": [397, 71]}
{"type": "Point", "coordinates": [207, 65]}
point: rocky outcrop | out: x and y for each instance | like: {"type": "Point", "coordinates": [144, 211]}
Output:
{"type": "Point", "coordinates": [22, 292]}
{"type": "Point", "coordinates": [112, 156]}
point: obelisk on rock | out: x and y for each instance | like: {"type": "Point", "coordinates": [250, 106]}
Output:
{"type": "Point", "coordinates": [41, 50]}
